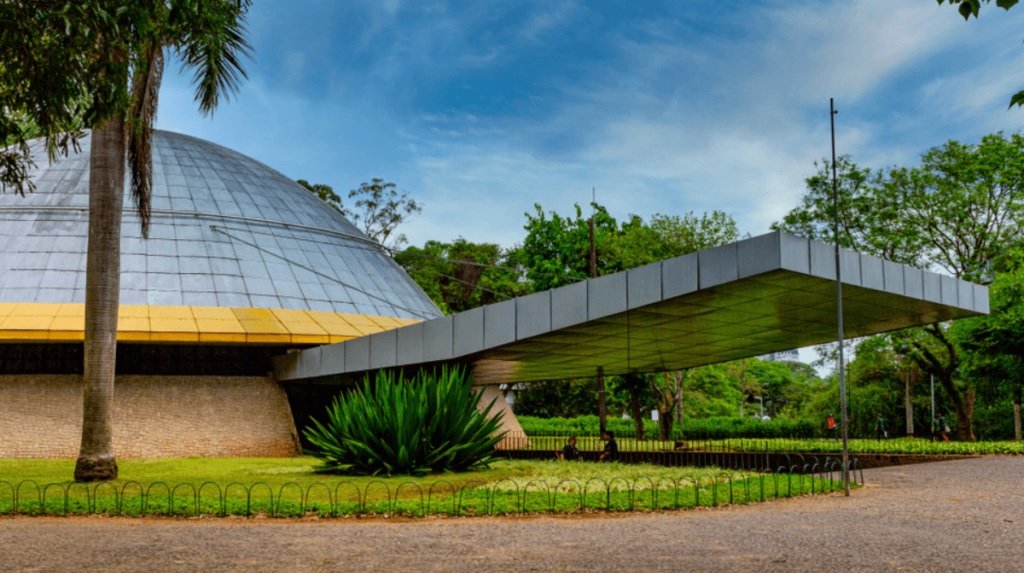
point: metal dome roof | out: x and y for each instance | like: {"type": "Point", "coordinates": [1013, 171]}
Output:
{"type": "Point", "coordinates": [226, 231]}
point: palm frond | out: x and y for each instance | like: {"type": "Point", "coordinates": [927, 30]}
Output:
{"type": "Point", "coordinates": [145, 91]}
{"type": "Point", "coordinates": [213, 44]}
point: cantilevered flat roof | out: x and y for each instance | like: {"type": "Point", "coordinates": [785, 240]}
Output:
{"type": "Point", "coordinates": [768, 293]}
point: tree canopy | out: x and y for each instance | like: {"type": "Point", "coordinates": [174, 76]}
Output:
{"type": "Point", "coordinates": [556, 250]}
{"type": "Point", "coordinates": [461, 275]}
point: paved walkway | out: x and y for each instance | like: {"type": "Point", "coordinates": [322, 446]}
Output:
{"type": "Point", "coordinates": [949, 516]}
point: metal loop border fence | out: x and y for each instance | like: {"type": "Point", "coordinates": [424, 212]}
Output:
{"type": "Point", "coordinates": [442, 497]}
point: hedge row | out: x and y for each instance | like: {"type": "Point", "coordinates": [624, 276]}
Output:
{"type": "Point", "coordinates": [703, 428]}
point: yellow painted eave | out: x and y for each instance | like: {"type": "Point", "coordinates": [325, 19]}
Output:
{"type": "Point", "coordinates": [36, 322]}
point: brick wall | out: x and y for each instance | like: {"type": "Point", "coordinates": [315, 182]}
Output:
{"type": "Point", "coordinates": [154, 416]}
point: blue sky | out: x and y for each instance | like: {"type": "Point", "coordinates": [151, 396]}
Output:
{"type": "Point", "coordinates": [480, 109]}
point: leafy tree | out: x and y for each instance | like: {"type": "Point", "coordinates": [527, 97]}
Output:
{"type": "Point", "coordinates": [668, 388]}
{"type": "Point", "coordinates": [960, 211]}
{"type": "Point", "coordinates": [869, 222]}
{"type": "Point", "coordinates": [994, 344]}
{"type": "Point", "coordinates": [98, 64]}
{"type": "Point", "coordinates": [325, 193]}
{"type": "Point", "coordinates": [710, 392]}
{"type": "Point", "coordinates": [461, 275]}
{"type": "Point", "coordinates": [968, 8]}
{"type": "Point", "coordinates": [690, 233]}
{"type": "Point", "coordinates": [379, 209]}
{"type": "Point", "coordinates": [556, 250]}
{"type": "Point", "coordinates": [748, 384]}
{"type": "Point", "coordinates": [556, 399]}
{"type": "Point", "coordinates": [637, 390]}
{"type": "Point", "coordinates": [878, 368]}
{"type": "Point", "coordinates": [779, 386]}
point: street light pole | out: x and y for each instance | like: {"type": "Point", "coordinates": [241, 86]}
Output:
{"type": "Point", "coordinates": [839, 305]}
{"type": "Point", "coordinates": [602, 407]}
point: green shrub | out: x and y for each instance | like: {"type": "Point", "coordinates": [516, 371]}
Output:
{"type": "Point", "coordinates": [992, 421]}
{"type": "Point", "coordinates": [394, 426]}
{"type": "Point", "coordinates": [692, 428]}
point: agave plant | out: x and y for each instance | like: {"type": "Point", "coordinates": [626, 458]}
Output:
{"type": "Point", "coordinates": [396, 426]}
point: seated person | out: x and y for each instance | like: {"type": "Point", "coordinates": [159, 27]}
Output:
{"type": "Point", "coordinates": [569, 451]}
{"type": "Point", "coordinates": [611, 449]}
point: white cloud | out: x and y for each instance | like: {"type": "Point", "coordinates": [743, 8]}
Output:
{"type": "Point", "coordinates": [744, 142]}
{"type": "Point", "coordinates": [550, 16]}
{"type": "Point", "coordinates": [677, 119]}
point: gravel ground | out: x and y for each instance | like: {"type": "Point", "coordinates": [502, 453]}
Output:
{"type": "Point", "coordinates": [948, 516]}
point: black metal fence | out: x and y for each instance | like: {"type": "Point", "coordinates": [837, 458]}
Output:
{"type": "Point", "coordinates": [751, 455]}
{"type": "Point", "coordinates": [388, 497]}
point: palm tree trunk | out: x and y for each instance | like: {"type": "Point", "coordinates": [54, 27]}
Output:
{"type": "Point", "coordinates": [102, 288]}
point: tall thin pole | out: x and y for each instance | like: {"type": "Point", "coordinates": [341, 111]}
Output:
{"type": "Point", "coordinates": [931, 389]}
{"type": "Point", "coordinates": [602, 407]}
{"type": "Point", "coordinates": [839, 306]}
{"type": "Point", "coordinates": [593, 244]}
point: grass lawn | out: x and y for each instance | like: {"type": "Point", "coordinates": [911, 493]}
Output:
{"type": "Point", "coordinates": [290, 487]}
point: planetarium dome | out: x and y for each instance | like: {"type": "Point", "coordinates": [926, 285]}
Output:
{"type": "Point", "coordinates": [226, 231]}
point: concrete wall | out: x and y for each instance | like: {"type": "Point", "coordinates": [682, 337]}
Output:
{"type": "Point", "coordinates": [509, 422]}
{"type": "Point", "coordinates": [154, 416]}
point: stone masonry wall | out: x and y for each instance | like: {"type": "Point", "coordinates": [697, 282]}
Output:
{"type": "Point", "coordinates": [154, 417]}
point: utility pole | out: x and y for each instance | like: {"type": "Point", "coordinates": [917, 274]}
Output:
{"type": "Point", "coordinates": [602, 408]}
{"type": "Point", "coordinates": [593, 244]}
{"type": "Point", "coordinates": [839, 306]}
{"type": "Point", "coordinates": [931, 389]}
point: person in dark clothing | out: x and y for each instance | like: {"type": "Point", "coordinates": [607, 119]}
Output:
{"type": "Point", "coordinates": [611, 448]}
{"type": "Point", "coordinates": [881, 427]}
{"type": "Point", "coordinates": [569, 452]}
{"type": "Point", "coordinates": [940, 431]}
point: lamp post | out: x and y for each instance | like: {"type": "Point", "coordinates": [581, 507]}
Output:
{"type": "Point", "coordinates": [839, 305]}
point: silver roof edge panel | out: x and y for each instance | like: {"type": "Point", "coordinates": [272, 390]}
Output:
{"type": "Point", "coordinates": [758, 255]}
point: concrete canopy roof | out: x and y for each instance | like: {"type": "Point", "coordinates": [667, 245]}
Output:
{"type": "Point", "coordinates": [768, 293]}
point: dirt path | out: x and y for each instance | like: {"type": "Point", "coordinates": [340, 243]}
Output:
{"type": "Point", "coordinates": [949, 516]}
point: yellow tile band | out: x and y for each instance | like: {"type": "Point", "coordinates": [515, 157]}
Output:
{"type": "Point", "coordinates": [35, 322]}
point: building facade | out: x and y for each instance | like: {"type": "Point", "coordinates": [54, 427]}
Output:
{"type": "Point", "coordinates": [241, 264]}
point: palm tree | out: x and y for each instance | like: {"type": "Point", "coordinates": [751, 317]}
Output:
{"type": "Point", "coordinates": [99, 63]}
{"type": "Point", "coordinates": [209, 36]}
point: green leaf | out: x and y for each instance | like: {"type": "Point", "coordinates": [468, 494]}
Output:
{"type": "Point", "coordinates": [969, 8]}
{"type": "Point", "coordinates": [1017, 99]}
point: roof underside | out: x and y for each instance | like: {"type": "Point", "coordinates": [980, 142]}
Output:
{"type": "Point", "coordinates": [764, 294]}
